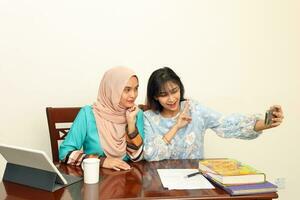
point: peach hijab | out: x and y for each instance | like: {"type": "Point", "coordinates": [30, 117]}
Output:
{"type": "Point", "coordinates": [110, 116]}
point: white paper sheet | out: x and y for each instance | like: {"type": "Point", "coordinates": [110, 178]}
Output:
{"type": "Point", "coordinates": [176, 179]}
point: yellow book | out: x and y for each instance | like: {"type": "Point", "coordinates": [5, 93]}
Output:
{"type": "Point", "coordinates": [230, 172]}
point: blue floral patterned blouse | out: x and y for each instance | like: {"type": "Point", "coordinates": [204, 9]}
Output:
{"type": "Point", "coordinates": [188, 141]}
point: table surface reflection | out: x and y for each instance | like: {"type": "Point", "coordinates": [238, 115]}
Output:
{"type": "Point", "coordinates": [141, 182]}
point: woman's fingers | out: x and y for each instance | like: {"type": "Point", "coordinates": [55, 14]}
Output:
{"type": "Point", "coordinates": [133, 108]}
{"type": "Point", "coordinates": [183, 119]}
{"type": "Point", "coordinates": [277, 120]}
{"type": "Point", "coordinates": [122, 165]}
{"type": "Point", "coordinates": [275, 124]}
{"type": "Point", "coordinates": [278, 114]}
{"type": "Point", "coordinates": [186, 107]}
{"type": "Point", "coordinates": [187, 118]}
{"type": "Point", "coordinates": [116, 164]}
{"type": "Point", "coordinates": [277, 108]}
{"type": "Point", "coordinates": [131, 113]}
{"type": "Point", "coordinates": [115, 168]}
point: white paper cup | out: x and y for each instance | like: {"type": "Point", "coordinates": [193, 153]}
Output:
{"type": "Point", "coordinates": [90, 168]}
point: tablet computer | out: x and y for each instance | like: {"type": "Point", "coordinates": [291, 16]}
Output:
{"type": "Point", "coordinates": [30, 158]}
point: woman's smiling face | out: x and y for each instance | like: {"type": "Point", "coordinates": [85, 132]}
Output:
{"type": "Point", "coordinates": [169, 98]}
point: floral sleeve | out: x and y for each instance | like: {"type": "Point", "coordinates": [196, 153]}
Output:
{"type": "Point", "coordinates": [155, 147]}
{"type": "Point", "coordinates": [231, 126]}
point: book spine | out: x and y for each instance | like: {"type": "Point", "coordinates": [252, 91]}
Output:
{"type": "Point", "coordinates": [218, 184]}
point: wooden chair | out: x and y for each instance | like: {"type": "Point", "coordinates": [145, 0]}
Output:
{"type": "Point", "coordinates": [59, 123]}
{"type": "Point", "coordinates": [143, 107]}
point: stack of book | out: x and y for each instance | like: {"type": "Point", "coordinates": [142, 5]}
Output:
{"type": "Point", "coordinates": [235, 177]}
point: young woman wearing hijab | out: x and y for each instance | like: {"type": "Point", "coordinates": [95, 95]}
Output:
{"type": "Point", "coordinates": [112, 128]}
{"type": "Point", "coordinates": [175, 127]}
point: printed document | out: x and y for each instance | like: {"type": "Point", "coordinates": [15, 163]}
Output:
{"type": "Point", "coordinates": [177, 179]}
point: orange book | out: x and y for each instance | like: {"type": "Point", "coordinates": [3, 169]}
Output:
{"type": "Point", "coordinates": [230, 172]}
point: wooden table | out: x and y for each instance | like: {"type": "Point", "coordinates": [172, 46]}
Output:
{"type": "Point", "coordinates": [141, 182]}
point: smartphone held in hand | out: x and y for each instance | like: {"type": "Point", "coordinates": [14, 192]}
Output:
{"type": "Point", "coordinates": [268, 117]}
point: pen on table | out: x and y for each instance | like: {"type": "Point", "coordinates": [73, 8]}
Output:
{"type": "Point", "coordinates": [192, 174]}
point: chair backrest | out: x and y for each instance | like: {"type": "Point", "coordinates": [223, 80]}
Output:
{"type": "Point", "coordinates": [144, 107]}
{"type": "Point", "coordinates": [59, 123]}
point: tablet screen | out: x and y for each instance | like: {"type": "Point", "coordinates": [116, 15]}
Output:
{"type": "Point", "coordinates": [30, 158]}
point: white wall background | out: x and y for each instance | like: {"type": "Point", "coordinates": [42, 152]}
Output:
{"type": "Point", "coordinates": [232, 55]}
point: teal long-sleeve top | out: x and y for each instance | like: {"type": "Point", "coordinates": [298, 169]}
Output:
{"type": "Point", "coordinates": [84, 134]}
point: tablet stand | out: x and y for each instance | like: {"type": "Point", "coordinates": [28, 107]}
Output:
{"type": "Point", "coordinates": [33, 177]}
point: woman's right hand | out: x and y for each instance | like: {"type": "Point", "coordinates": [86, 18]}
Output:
{"type": "Point", "coordinates": [131, 114]}
{"type": "Point", "coordinates": [183, 118]}
{"type": "Point", "coordinates": [116, 164]}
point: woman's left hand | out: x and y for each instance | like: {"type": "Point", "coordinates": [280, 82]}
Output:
{"type": "Point", "coordinates": [131, 114]}
{"type": "Point", "coordinates": [277, 115]}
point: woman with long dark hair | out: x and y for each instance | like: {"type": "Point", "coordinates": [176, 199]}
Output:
{"type": "Point", "coordinates": [175, 127]}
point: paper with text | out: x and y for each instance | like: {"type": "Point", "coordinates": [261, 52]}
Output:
{"type": "Point", "coordinates": [176, 179]}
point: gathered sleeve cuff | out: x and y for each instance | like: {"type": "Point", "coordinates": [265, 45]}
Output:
{"type": "Point", "coordinates": [134, 146]}
{"type": "Point", "coordinates": [74, 158]}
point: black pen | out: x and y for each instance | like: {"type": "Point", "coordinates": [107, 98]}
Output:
{"type": "Point", "coordinates": [192, 174]}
